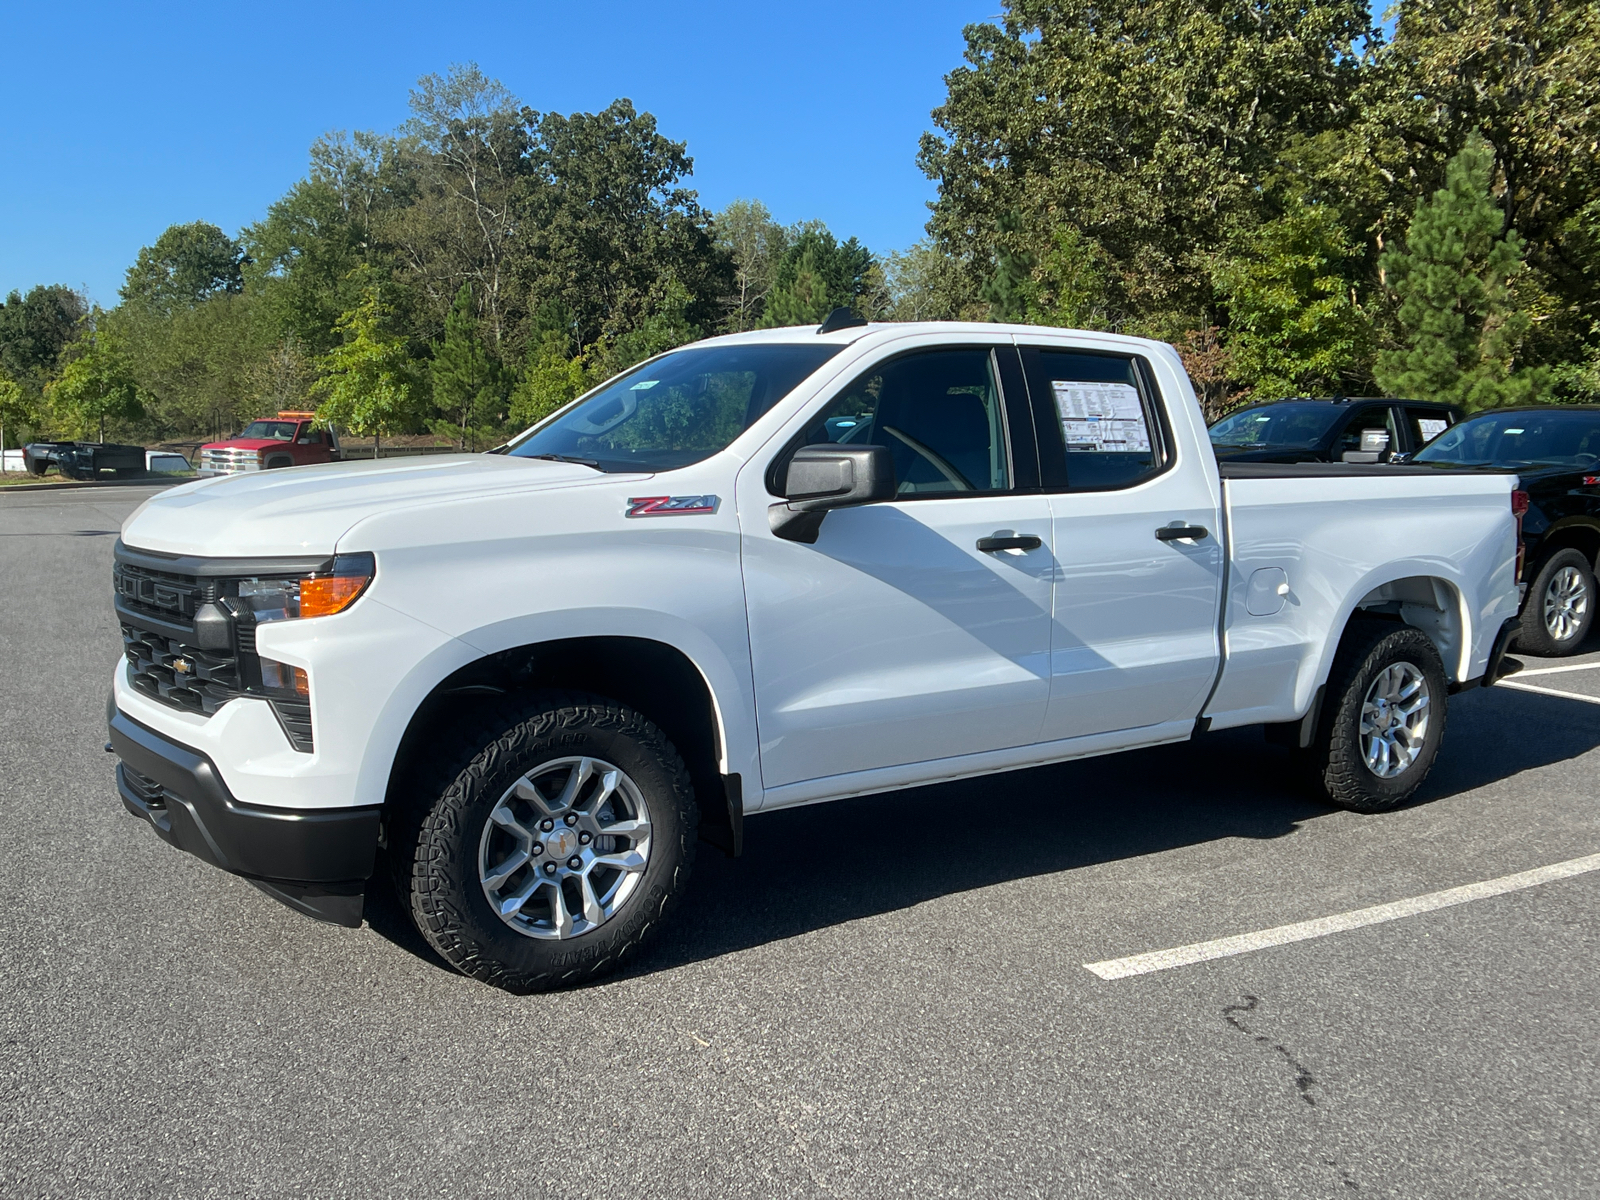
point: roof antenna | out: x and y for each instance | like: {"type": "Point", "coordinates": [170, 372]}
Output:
{"type": "Point", "coordinates": [841, 318]}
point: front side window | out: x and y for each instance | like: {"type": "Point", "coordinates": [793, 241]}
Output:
{"type": "Point", "coordinates": [677, 409]}
{"type": "Point", "coordinates": [1370, 430]}
{"type": "Point", "coordinates": [938, 411]}
{"type": "Point", "coordinates": [1105, 423]}
{"type": "Point", "coordinates": [1558, 437]}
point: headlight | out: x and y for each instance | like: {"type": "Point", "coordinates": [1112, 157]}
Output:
{"type": "Point", "coordinates": [319, 595]}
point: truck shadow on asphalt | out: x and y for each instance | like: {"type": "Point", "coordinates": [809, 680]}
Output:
{"type": "Point", "coordinates": [806, 869]}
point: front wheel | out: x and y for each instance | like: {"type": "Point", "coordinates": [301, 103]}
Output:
{"type": "Point", "coordinates": [1382, 719]}
{"type": "Point", "coordinates": [562, 834]}
{"type": "Point", "coordinates": [1560, 606]}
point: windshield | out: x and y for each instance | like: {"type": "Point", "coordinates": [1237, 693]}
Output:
{"type": "Point", "coordinates": [278, 431]}
{"type": "Point", "coordinates": [1560, 437]}
{"type": "Point", "coordinates": [1292, 426]}
{"type": "Point", "coordinates": [678, 409]}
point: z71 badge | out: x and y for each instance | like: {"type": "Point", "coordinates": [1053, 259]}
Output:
{"type": "Point", "coordinates": [671, 506]}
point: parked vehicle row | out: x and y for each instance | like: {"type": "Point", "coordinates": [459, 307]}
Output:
{"type": "Point", "coordinates": [765, 570]}
{"type": "Point", "coordinates": [1554, 450]}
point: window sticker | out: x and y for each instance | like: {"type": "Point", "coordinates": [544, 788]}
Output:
{"type": "Point", "coordinates": [1108, 417]}
{"type": "Point", "coordinates": [644, 385]}
{"type": "Point", "coordinates": [1431, 427]}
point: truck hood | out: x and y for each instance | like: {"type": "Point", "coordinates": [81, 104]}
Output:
{"type": "Point", "coordinates": [305, 510]}
{"type": "Point", "coordinates": [247, 444]}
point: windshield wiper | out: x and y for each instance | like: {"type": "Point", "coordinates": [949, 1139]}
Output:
{"type": "Point", "coordinates": [582, 462]}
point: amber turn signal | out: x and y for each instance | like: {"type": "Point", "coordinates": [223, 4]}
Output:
{"type": "Point", "coordinates": [324, 595]}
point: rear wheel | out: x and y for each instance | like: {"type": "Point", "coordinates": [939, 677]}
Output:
{"type": "Point", "coordinates": [1383, 717]}
{"type": "Point", "coordinates": [557, 836]}
{"type": "Point", "coordinates": [1559, 610]}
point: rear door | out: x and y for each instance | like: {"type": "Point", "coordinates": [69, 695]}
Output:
{"type": "Point", "coordinates": [896, 639]}
{"type": "Point", "coordinates": [1134, 637]}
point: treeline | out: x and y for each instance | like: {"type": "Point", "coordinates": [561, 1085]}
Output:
{"type": "Point", "coordinates": [1301, 203]}
{"type": "Point", "coordinates": [464, 275]}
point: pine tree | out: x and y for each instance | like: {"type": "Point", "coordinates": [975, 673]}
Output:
{"type": "Point", "coordinates": [468, 385]}
{"type": "Point", "coordinates": [1461, 326]}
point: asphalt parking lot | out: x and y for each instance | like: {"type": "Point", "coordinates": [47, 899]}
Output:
{"type": "Point", "coordinates": [884, 997]}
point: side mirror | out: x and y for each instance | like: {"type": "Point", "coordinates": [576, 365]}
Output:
{"type": "Point", "coordinates": [826, 477]}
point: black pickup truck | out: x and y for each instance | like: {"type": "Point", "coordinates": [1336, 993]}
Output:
{"type": "Point", "coordinates": [84, 460]}
{"type": "Point", "coordinates": [1555, 451]}
{"type": "Point", "coordinates": [1360, 429]}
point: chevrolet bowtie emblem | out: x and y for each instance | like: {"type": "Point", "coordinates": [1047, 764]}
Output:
{"type": "Point", "coordinates": [182, 666]}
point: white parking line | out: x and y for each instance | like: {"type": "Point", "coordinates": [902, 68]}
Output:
{"type": "Point", "coordinates": [1300, 931]}
{"type": "Point", "coordinates": [1544, 691]}
{"type": "Point", "coordinates": [1594, 666]}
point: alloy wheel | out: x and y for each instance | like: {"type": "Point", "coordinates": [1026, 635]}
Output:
{"type": "Point", "coordinates": [1566, 601]}
{"type": "Point", "coordinates": [1394, 719]}
{"type": "Point", "coordinates": [564, 848]}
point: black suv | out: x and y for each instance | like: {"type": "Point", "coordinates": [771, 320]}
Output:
{"type": "Point", "coordinates": [1555, 451]}
{"type": "Point", "coordinates": [1343, 429]}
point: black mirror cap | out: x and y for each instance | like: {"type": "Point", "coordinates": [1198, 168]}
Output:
{"type": "Point", "coordinates": [829, 476]}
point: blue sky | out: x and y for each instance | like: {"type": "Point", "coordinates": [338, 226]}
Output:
{"type": "Point", "coordinates": [122, 119]}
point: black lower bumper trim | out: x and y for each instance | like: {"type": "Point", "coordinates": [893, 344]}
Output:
{"type": "Point", "coordinates": [315, 861]}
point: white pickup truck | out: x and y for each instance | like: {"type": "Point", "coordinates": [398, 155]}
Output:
{"type": "Point", "coordinates": [766, 570]}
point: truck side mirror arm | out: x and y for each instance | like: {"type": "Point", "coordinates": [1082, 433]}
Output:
{"type": "Point", "coordinates": [824, 477]}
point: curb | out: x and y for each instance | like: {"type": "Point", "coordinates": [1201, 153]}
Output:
{"type": "Point", "coordinates": [93, 484]}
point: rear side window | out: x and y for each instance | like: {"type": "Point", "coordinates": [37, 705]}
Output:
{"type": "Point", "coordinates": [1426, 424]}
{"type": "Point", "coordinates": [1099, 425]}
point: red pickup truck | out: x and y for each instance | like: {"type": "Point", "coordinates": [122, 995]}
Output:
{"type": "Point", "coordinates": [288, 440]}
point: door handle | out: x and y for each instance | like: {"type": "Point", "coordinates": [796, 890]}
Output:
{"type": "Point", "coordinates": [1174, 533]}
{"type": "Point", "coordinates": [1009, 541]}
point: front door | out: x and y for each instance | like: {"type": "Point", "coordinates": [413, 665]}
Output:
{"type": "Point", "coordinates": [895, 639]}
{"type": "Point", "coordinates": [1134, 641]}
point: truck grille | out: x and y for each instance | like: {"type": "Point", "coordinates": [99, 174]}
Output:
{"type": "Point", "coordinates": [199, 681]}
{"type": "Point", "coordinates": [158, 609]}
{"type": "Point", "coordinates": [228, 462]}
{"type": "Point", "coordinates": [169, 597]}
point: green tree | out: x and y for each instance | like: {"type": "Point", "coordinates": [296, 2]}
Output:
{"type": "Point", "coordinates": [754, 242]}
{"type": "Point", "coordinates": [469, 386]}
{"type": "Point", "coordinates": [1525, 76]}
{"type": "Point", "coordinates": [605, 225]}
{"type": "Point", "coordinates": [368, 382]}
{"type": "Point", "coordinates": [34, 329]}
{"type": "Point", "coordinates": [1459, 322]}
{"type": "Point", "coordinates": [187, 265]}
{"type": "Point", "coordinates": [1145, 127]}
{"type": "Point", "coordinates": [926, 284]}
{"type": "Point", "coordinates": [303, 258]}
{"type": "Point", "coordinates": [550, 379]}
{"type": "Point", "coordinates": [19, 410]}
{"type": "Point", "coordinates": [96, 385]}
{"type": "Point", "coordinates": [816, 274]}
{"type": "Point", "coordinates": [1295, 327]}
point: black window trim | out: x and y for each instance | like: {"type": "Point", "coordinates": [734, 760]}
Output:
{"type": "Point", "coordinates": [1047, 421]}
{"type": "Point", "coordinates": [779, 466]}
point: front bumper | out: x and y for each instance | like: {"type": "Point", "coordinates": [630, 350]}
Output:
{"type": "Point", "coordinates": [316, 861]}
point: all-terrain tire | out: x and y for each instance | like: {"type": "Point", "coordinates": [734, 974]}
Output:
{"type": "Point", "coordinates": [1536, 635]}
{"type": "Point", "coordinates": [1337, 758]}
{"type": "Point", "coordinates": [435, 838]}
